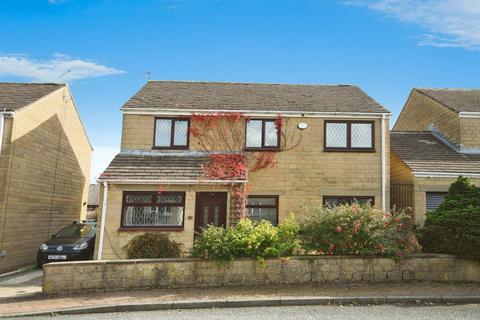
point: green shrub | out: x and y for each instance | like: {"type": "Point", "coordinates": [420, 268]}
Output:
{"type": "Point", "coordinates": [247, 239]}
{"type": "Point", "coordinates": [356, 230]}
{"type": "Point", "coordinates": [454, 227]}
{"type": "Point", "coordinates": [151, 246]}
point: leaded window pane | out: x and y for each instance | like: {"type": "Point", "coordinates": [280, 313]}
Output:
{"type": "Point", "coordinates": [180, 136]}
{"type": "Point", "coordinates": [169, 198]}
{"type": "Point", "coordinates": [268, 201]}
{"type": "Point", "coordinates": [262, 208]}
{"type": "Point", "coordinates": [163, 132]}
{"type": "Point", "coordinates": [258, 214]}
{"type": "Point", "coordinates": [254, 134]}
{"type": "Point", "coordinates": [361, 135]}
{"type": "Point", "coordinates": [153, 216]}
{"type": "Point", "coordinates": [336, 135]}
{"type": "Point", "coordinates": [139, 198]}
{"type": "Point", "coordinates": [271, 134]}
{"type": "Point", "coordinates": [336, 201]}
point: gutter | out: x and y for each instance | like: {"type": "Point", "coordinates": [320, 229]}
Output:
{"type": "Point", "coordinates": [268, 113]}
{"type": "Point", "coordinates": [427, 174]}
{"type": "Point", "coordinates": [464, 114]}
{"type": "Point", "coordinates": [177, 182]}
{"type": "Point", "coordinates": [102, 225]}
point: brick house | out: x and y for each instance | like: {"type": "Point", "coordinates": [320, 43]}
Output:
{"type": "Point", "coordinates": [435, 139]}
{"type": "Point", "coordinates": [44, 167]}
{"type": "Point", "coordinates": [332, 147]}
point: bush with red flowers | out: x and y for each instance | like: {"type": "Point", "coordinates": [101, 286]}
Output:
{"type": "Point", "coordinates": [356, 230]}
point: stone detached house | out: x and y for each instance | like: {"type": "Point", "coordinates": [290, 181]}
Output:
{"type": "Point", "coordinates": [435, 139]}
{"type": "Point", "coordinates": [44, 167]}
{"type": "Point", "coordinates": [304, 143]}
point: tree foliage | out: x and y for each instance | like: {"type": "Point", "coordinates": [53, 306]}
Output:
{"type": "Point", "coordinates": [454, 227]}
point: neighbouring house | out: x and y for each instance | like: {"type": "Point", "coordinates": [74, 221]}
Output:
{"type": "Point", "coordinates": [44, 167]}
{"type": "Point", "coordinates": [435, 139]}
{"type": "Point", "coordinates": [199, 153]}
{"type": "Point", "coordinates": [92, 203]}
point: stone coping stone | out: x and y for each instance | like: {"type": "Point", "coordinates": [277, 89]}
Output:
{"type": "Point", "coordinates": [305, 257]}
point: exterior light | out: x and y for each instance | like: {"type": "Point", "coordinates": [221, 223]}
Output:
{"type": "Point", "coordinates": [302, 126]}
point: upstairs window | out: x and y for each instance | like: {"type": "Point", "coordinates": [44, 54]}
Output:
{"type": "Point", "coordinates": [171, 133]}
{"type": "Point", "coordinates": [349, 136]}
{"type": "Point", "coordinates": [262, 134]}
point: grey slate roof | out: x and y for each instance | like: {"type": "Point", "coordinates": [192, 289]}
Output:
{"type": "Point", "coordinates": [459, 100]}
{"type": "Point", "coordinates": [423, 152]}
{"type": "Point", "coordinates": [14, 96]}
{"type": "Point", "coordinates": [228, 96]}
{"type": "Point", "coordinates": [156, 167]}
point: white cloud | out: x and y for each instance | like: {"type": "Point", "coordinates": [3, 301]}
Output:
{"type": "Point", "coordinates": [448, 23]}
{"type": "Point", "coordinates": [61, 68]}
{"type": "Point", "coordinates": [102, 156]}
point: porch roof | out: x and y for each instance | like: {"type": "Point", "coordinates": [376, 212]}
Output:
{"type": "Point", "coordinates": [157, 167]}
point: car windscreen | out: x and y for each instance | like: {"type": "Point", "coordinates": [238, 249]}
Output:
{"type": "Point", "coordinates": [75, 231]}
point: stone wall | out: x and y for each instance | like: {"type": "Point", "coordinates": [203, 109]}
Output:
{"type": "Point", "coordinates": [69, 277]}
{"type": "Point", "coordinates": [470, 131]}
{"type": "Point", "coordinates": [420, 112]}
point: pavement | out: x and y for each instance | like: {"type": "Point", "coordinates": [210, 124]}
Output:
{"type": "Point", "coordinates": [38, 304]}
{"type": "Point", "coordinates": [23, 284]}
{"type": "Point", "coordinates": [391, 312]}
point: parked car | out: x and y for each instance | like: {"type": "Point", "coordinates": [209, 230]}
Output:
{"type": "Point", "coordinates": [74, 242]}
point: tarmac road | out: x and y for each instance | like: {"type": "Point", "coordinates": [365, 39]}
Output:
{"type": "Point", "coordinates": [390, 312]}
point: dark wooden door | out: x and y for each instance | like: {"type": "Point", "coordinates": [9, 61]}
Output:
{"type": "Point", "coordinates": [211, 208]}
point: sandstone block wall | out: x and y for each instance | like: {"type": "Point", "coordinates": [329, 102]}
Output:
{"type": "Point", "coordinates": [69, 277]}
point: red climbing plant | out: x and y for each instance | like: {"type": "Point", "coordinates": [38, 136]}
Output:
{"type": "Point", "coordinates": [222, 136]}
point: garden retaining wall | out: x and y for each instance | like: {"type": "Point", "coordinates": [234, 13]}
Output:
{"type": "Point", "coordinates": [69, 277]}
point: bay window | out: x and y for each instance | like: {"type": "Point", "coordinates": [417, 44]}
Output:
{"type": "Point", "coordinates": [153, 210]}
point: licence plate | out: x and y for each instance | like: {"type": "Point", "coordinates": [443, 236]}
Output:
{"type": "Point", "coordinates": [57, 257]}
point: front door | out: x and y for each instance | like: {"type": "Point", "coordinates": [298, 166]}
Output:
{"type": "Point", "coordinates": [211, 208]}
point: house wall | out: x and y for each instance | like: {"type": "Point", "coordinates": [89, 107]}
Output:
{"type": "Point", "coordinates": [47, 187]}
{"type": "Point", "coordinates": [115, 238]}
{"type": "Point", "coordinates": [421, 111]}
{"type": "Point", "coordinates": [424, 185]}
{"type": "Point", "coordinates": [470, 133]}
{"type": "Point", "coordinates": [302, 175]}
{"type": "Point", "coordinates": [399, 171]}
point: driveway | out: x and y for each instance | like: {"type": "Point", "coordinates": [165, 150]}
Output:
{"type": "Point", "coordinates": [23, 284]}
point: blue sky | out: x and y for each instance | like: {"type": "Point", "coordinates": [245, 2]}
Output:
{"type": "Point", "coordinates": [384, 46]}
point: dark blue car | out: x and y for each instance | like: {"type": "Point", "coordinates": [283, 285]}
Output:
{"type": "Point", "coordinates": [73, 243]}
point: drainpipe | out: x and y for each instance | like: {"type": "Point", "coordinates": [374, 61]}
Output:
{"type": "Point", "coordinates": [102, 225]}
{"type": "Point", "coordinates": [2, 124]}
{"type": "Point", "coordinates": [1, 130]}
{"type": "Point", "coordinates": [384, 169]}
